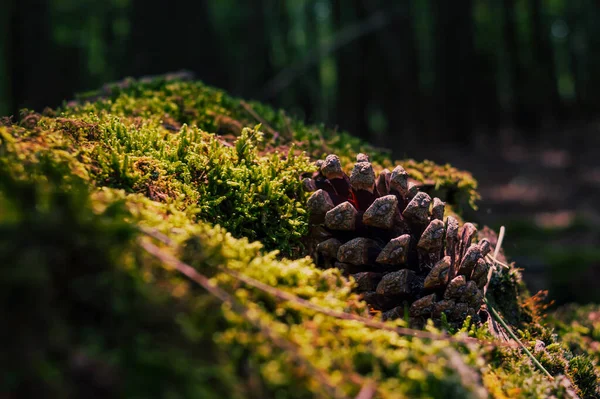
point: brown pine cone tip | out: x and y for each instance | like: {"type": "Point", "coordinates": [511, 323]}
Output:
{"type": "Point", "coordinates": [393, 239]}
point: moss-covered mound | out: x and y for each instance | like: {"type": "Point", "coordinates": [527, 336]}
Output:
{"type": "Point", "coordinates": [152, 243]}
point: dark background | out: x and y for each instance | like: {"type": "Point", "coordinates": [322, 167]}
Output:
{"type": "Point", "coordinates": [508, 89]}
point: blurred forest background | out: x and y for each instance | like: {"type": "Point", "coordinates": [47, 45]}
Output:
{"type": "Point", "coordinates": [508, 89]}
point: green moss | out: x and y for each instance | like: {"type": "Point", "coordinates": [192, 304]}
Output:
{"type": "Point", "coordinates": [123, 323]}
{"type": "Point", "coordinates": [252, 195]}
{"type": "Point", "coordinates": [92, 313]}
{"type": "Point", "coordinates": [211, 110]}
{"type": "Point", "coordinates": [507, 292]}
{"type": "Point", "coordinates": [153, 138]}
{"type": "Point", "coordinates": [578, 328]}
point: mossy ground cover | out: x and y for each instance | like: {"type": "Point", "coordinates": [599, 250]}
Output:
{"type": "Point", "coordinates": [93, 313]}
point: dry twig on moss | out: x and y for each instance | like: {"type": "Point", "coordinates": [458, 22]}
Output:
{"type": "Point", "coordinates": [260, 119]}
{"type": "Point", "coordinates": [332, 391]}
{"type": "Point", "coordinates": [497, 316]}
{"type": "Point", "coordinates": [286, 296]}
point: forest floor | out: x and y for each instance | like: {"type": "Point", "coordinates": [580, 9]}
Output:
{"type": "Point", "coordinates": [547, 193]}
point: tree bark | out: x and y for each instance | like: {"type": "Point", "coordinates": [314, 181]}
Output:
{"type": "Point", "coordinates": [29, 46]}
{"type": "Point", "coordinates": [516, 73]}
{"type": "Point", "coordinates": [398, 74]}
{"type": "Point", "coordinates": [6, 93]}
{"type": "Point", "coordinates": [169, 36]}
{"type": "Point", "coordinates": [351, 99]}
{"type": "Point", "coordinates": [454, 69]}
{"type": "Point", "coordinates": [309, 91]}
{"type": "Point", "coordinates": [544, 64]}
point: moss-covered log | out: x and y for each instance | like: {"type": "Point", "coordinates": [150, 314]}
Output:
{"type": "Point", "coordinates": [90, 312]}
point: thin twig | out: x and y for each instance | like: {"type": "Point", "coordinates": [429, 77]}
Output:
{"type": "Point", "coordinates": [286, 296]}
{"type": "Point", "coordinates": [469, 377]}
{"type": "Point", "coordinates": [494, 260]}
{"type": "Point", "coordinates": [288, 127]}
{"type": "Point", "coordinates": [156, 234]}
{"type": "Point", "coordinates": [499, 242]}
{"type": "Point", "coordinates": [512, 334]}
{"type": "Point", "coordinates": [496, 252]}
{"type": "Point", "coordinates": [368, 390]}
{"type": "Point", "coordinates": [497, 316]}
{"type": "Point", "coordinates": [204, 282]}
{"type": "Point", "coordinates": [260, 119]}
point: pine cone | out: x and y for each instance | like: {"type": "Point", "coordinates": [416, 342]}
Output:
{"type": "Point", "coordinates": [392, 238]}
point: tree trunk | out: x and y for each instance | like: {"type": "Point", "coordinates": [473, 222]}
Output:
{"type": "Point", "coordinates": [485, 72]}
{"type": "Point", "coordinates": [6, 99]}
{"type": "Point", "coordinates": [169, 36]}
{"type": "Point", "coordinates": [454, 69]}
{"type": "Point", "coordinates": [516, 73]}
{"type": "Point", "coordinates": [351, 80]}
{"type": "Point", "coordinates": [29, 45]}
{"type": "Point", "coordinates": [363, 46]}
{"type": "Point", "coordinates": [397, 70]}
{"type": "Point", "coordinates": [544, 66]}
{"type": "Point", "coordinates": [309, 91]}
{"type": "Point", "coordinates": [282, 28]}
{"type": "Point", "coordinates": [259, 68]}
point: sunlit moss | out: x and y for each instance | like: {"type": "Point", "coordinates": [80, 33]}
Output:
{"type": "Point", "coordinates": [212, 110]}
{"type": "Point", "coordinates": [102, 315]}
